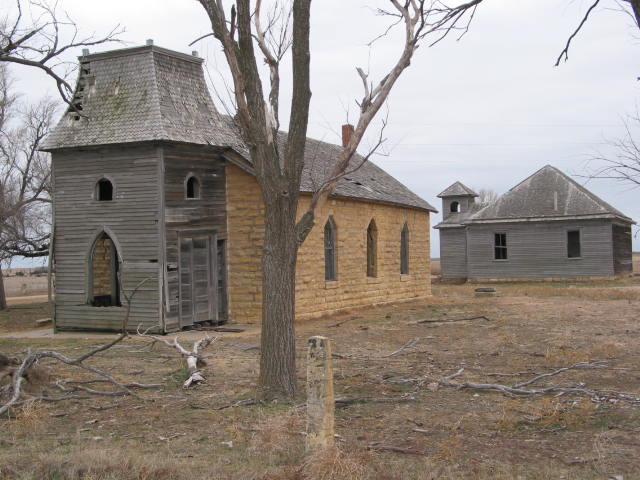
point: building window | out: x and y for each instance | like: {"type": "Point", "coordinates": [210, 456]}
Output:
{"type": "Point", "coordinates": [104, 190]}
{"type": "Point", "coordinates": [500, 246]}
{"type": "Point", "coordinates": [372, 250]}
{"type": "Point", "coordinates": [330, 257]}
{"type": "Point", "coordinates": [573, 244]}
{"type": "Point", "coordinates": [193, 187]}
{"type": "Point", "coordinates": [404, 250]}
{"type": "Point", "coordinates": [104, 285]}
{"type": "Point", "coordinates": [455, 207]}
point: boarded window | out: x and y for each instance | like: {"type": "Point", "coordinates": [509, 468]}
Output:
{"type": "Point", "coordinates": [193, 187]}
{"type": "Point", "coordinates": [104, 286]}
{"type": "Point", "coordinates": [573, 244]}
{"type": "Point", "coordinates": [455, 207]}
{"type": "Point", "coordinates": [330, 257]}
{"type": "Point", "coordinates": [404, 250]}
{"type": "Point", "coordinates": [500, 246]}
{"type": "Point", "coordinates": [372, 250]}
{"type": "Point", "coordinates": [104, 190]}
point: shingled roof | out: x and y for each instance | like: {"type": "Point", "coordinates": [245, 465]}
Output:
{"type": "Point", "coordinates": [149, 93]}
{"type": "Point", "coordinates": [458, 189]}
{"type": "Point", "coordinates": [142, 94]}
{"type": "Point", "coordinates": [548, 194]}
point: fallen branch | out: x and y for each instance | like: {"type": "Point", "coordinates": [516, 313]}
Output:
{"type": "Point", "coordinates": [391, 448]}
{"type": "Point", "coordinates": [194, 358]}
{"type": "Point", "coordinates": [339, 324]}
{"type": "Point", "coordinates": [69, 387]}
{"type": "Point", "coordinates": [448, 320]}
{"type": "Point", "coordinates": [344, 401]}
{"type": "Point", "coordinates": [240, 403]}
{"type": "Point", "coordinates": [519, 390]}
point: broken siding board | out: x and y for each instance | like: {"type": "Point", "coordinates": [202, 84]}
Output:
{"type": "Point", "coordinates": [539, 250]}
{"type": "Point", "coordinates": [130, 220]}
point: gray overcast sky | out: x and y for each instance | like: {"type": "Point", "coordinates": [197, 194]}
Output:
{"type": "Point", "coordinates": [487, 110]}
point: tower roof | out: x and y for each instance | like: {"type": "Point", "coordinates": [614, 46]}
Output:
{"type": "Point", "coordinates": [458, 189]}
{"type": "Point", "coordinates": [142, 94]}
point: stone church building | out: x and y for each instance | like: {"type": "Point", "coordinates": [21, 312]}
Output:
{"type": "Point", "coordinates": [155, 200]}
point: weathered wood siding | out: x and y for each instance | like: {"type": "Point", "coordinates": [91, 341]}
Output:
{"type": "Point", "coordinates": [465, 204]}
{"type": "Point", "coordinates": [622, 252]}
{"type": "Point", "coordinates": [453, 252]}
{"type": "Point", "coordinates": [208, 212]}
{"type": "Point", "coordinates": [130, 219]}
{"type": "Point", "coordinates": [539, 250]}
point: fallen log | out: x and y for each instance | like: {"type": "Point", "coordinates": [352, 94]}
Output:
{"type": "Point", "coordinates": [448, 320]}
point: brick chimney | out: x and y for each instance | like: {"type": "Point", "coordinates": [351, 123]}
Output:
{"type": "Point", "coordinates": [347, 132]}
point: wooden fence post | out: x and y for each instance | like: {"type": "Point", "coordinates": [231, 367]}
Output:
{"type": "Point", "coordinates": [320, 399]}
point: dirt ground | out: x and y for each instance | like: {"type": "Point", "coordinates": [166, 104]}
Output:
{"type": "Point", "coordinates": [422, 430]}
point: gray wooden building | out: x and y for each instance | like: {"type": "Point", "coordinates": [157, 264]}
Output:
{"type": "Point", "coordinates": [548, 226]}
{"type": "Point", "coordinates": [141, 194]}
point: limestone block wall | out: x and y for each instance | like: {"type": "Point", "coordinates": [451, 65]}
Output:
{"type": "Point", "coordinates": [102, 264]}
{"type": "Point", "coordinates": [314, 295]}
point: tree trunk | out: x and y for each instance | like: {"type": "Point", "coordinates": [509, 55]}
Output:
{"type": "Point", "coordinates": [3, 297]}
{"type": "Point", "coordinates": [278, 356]}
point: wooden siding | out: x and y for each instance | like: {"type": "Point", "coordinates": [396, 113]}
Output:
{"type": "Point", "coordinates": [622, 256]}
{"type": "Point", "coordinates": [130, 219]}
{"type": "Point", "coordinates": [539, 250]}
{"type": "Point", "coordinates": [206, 213]}
{"type": "Point", "coordinates": [465, 205]}
{"type": "Point", "coordinates": [453, 252]}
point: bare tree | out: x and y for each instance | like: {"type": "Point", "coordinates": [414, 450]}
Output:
{"type": "Point", "coordinates": [624, 165]}
{"type": "Point", "coordinates": [34, 33]}
{"type": "Point", "coordinates": [25, 178]}
{"type": "Point", "coordinates": [486, 196]}
{"type": "Point", "coordinates": [278, 164]}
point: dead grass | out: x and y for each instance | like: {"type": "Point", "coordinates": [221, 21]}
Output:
{"type": "Point", "coordinates": [94, 464]}
{"type": "Point", "coordinates": [449, 434]}
{"type": "Point", "coordinates": [23, 317]}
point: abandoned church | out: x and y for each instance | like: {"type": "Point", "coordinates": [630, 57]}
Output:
{"type": "Point", "coordinates": [546, 227]}
{"type": "Point", "coordinates": [156, 208]}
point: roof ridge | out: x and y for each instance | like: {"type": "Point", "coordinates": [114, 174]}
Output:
{"type": "Point", "coordinates": [156, 111]}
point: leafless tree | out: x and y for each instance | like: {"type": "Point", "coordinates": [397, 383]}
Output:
{"type": "Point", "coordinates": [278, 157]}
{"type": "Point", "coordinates": [624, 164]}
{"type": "Point", "coordinates": [34, 33]}
{"type": "Point", "coordinates": [25, 179]}
{"type": "Point", "coordinates": [486, 196]}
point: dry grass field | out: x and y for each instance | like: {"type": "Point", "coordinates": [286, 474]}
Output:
{"type": "Point", "coordinates": [423, 430]}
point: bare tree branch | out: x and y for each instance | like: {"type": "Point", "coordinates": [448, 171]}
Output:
{"type": "Point", "coordinates": [565, 51]}
{"type": "Point", "coordinates": [40, 38]}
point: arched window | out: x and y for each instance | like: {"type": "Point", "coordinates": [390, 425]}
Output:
{"type": "Point", "coordinates": [104, 190]}
{"type": "Point", "coordinates": [372, 249]}
{"type": "Point", "coordinates": [104, 286]}
{"type": "Point", "coordinates": [330, 253]}
{"type": "Point", "coordinates": [193, 187]}
{"type": "Point", "coordinates": [455, 207]}
{"type": "Point", "coordinates": [404, 250]}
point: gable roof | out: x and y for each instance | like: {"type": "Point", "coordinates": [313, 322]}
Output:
{"type": "Point", "coordinates": [149, 93]}
{"type": "Point", "coordinates": [458, 189]}
{"type": "Point", "coordinates": [547, 194]}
